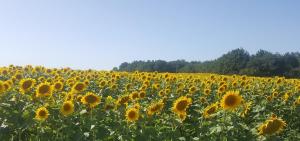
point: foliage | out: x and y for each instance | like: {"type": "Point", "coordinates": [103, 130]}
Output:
{"type": "Point", "coordinates": [237, 61]}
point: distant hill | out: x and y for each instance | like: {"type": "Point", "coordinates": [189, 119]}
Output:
{"type": "Point", "coordinates": [238, 61]}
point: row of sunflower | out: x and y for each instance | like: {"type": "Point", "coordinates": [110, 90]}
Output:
{"type": "Point", "coordinates": [38, 103]}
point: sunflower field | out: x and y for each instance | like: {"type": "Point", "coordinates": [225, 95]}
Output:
{"type": "Point", "coordinates": [38, 103]}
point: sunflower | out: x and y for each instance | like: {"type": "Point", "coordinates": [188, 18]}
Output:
{"type": "Point", "coordinates": [41, 114]}
{"type": "Point", "coordinates": [113, 87]}
{"type": "Point", "coordinates": [246, 109]}
{"type": "Point", "coordinates": [273, 125]}
{"type": "Point", "coordinates": [7, 85]}
{"type": "Point", "coordinates": [102, 84]}
{"type": "Point", "coordinates": [156, 86]}
{"type": "Point", "coordinates": [58, 86]}
{"type": "Point", "coordinates": [67, 108]}
{"type": "Point", "coordinates": [91, 99]}
{"type": "Point", "coordinates": [182, 116]}
{"type": "Point", "coordinates": [155, 108]}
{"type": "Point", "coordinates": [79, 87]}
{"type": "Point", "coordinates": [132, 114]}
{"type": "Point", "coordinates": [123, 100]}
{"type": "Point", "coordinates": [286, 96]}
{"type": "Point", "coordinates": [231, 100]}
{"type": "Point", "coordinates": [207, 91]}
{"type": "Point", "coordinates": [142, 94]}
{"type": "Point", "coordinates": [109, 99]}
{"type": "Point", "coordinates": [68, 96]}
{"type": "Point", "coordinates": [192, 89]}
{"type": "Point", "coordinates": [161, 93]}
{"type": "Point", "coordinates": [18, 76]}
{"type": "Point", "coordinates": [134, 95]}
{"type": "Point", "coordinates": [222, 89]}
{"type": "Point", "coordinates": [209, 110]}
{"type": "Point", "coordinates": [26, 85]}
{"type": "Point", "coordinates": [78, 98]}
{"type": "Point", "coordinates": [203, 99]}
{"type": "Point", "coordinates": [181, 104]}
{"type": "Point", "coordinates": [44, 89]}
{"type": "Point", "coordinates": [4, 72]}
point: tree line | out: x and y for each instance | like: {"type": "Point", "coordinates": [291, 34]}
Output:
{"type": "Point", "coordinates": [238, 61]}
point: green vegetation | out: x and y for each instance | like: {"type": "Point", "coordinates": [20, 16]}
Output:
{"type": "Point", "coordinates": [237, 61]}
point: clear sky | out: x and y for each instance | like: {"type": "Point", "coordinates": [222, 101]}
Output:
{"type": "Point", "coordinates": [101, 34]}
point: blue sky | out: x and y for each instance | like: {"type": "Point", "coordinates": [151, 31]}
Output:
{"type": "Point", "coordinates": [101, 34]}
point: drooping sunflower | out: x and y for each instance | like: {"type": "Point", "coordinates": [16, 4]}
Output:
{"type": "Point", "coordinates": [273, 125]}
{"type": "Point", "coordinates": [67, 108]}
{"type": "Point", "coordinates": [246, 109]}
{"type": "Point", "coordinates": [123, 100]}
{"type": "Point", "coordinates": [109, 103]}
{"type": "Point", "coordinates": [132, 114]}
{"type": "Point", "coordinates": [26, 85]}
{"type": "Point", "coordinates": [44, 89]}
{"type": "Point", "coordinates": [181, 104]}
{"type": "Point", "coordinates": [155, 108]}
{"type": "Point", "coordinates": [209, 110]}
{"type": "Point", "coordinates": [231, 100]}
{"type": "Point", "coordinates": [41, 114]}
{"type": "Point", "coordinates": [91, 99]}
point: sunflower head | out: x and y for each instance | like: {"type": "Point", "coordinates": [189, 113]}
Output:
{"type": "Point", "coordinates": [58, 86]}
{"type": "Point", "coordinates": [67, 108]}
{"type": "Point", "coordinates": [222, 89]}
{"type": "Point", "coordinates": [26, 85]}
{"type": "Point", "coordinates": [102, 84]}
{"type": "Point", "coordinates": [7, 85]}
{"type": "Point", "coordinates": [181, 104]}
{"type": "Point", "coordinates": [79, 87]}
{"type": "Point", "coordinates": [91, 99]}
{"type": "Point", "coordinates": [182, 116]}
{"type": "Point", "coordinates": [209, 110]}
{"type": "Point", "coordinates": [142, 94]}
{"type": "Point", "coordinates": [132, 114]}
{"type": "Point", "coordinates": [44, 89]}
{"type": "Point", "coordinates": [134, 95]}
{"type": "Point", "coordinates": [231, 100]}
{"type": "Point", "coordinates": [41, 114]}
{"type": "Point", "coordinates": [192, 89]}
{"type": "Point", "coordinates": [207, 91]}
